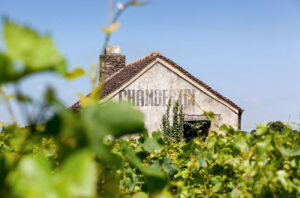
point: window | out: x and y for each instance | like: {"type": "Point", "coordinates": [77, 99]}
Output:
{"type": "Point", "coordinates": [194, 129]}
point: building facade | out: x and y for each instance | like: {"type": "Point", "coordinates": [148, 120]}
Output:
{"type": "Point", "coordinates": [154, 79]}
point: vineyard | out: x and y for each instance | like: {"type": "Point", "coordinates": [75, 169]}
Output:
{"type": "Point", "coordinates": [83, 153]}
{"type": "Point", "coordinates": [80, 155]}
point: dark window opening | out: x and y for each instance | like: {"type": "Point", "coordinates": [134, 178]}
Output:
{"type": "Point", "coordinates": [194, 129]}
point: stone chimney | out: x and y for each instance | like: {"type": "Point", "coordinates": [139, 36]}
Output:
{"type": "Point", "coordinates": [113, 61]}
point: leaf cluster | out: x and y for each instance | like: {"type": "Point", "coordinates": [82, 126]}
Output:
{"type": "Point", "coordinates": [264, 163]}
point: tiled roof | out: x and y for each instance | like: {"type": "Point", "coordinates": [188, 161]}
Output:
{"type": "Point", "coordinates": [132, 69]}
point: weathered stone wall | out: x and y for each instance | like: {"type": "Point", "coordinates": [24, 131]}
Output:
{"type": "Point", "coordinates": [151, 91]}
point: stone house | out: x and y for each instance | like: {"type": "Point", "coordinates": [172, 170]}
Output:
{"type": "Point", "coordinates": [150, 81]}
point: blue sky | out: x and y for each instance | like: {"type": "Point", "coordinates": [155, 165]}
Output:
{"type": "Point", "coordinates": [249, 50]}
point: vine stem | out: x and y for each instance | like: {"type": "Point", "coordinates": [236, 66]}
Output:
{"type": "Point", "coordinates": [7, 104]}
{"type": "Point", "coordinates": [10, 110]}
{"type": "Point", "coordinates": [23, 106]}
{"type": "Point", "coordinates": [108, 35]}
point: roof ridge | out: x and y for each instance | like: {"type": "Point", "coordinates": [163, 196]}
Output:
{"type": "Point", "coordinates": [152, 54]}
{"type": "Point", "coordinates": [195, 79]}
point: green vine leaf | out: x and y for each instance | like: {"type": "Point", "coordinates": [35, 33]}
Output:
{"type": "Point", "coordinates": [36, 52]}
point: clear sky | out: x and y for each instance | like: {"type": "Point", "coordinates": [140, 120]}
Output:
{"type": "Point", "coordinates": [248, 50]}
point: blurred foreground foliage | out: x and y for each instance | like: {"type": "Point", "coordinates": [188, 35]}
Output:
{"type": "Point", "coordinates": [81, 154]}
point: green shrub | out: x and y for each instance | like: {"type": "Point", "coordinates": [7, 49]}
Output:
{"type": "Point", "coordinates": [174, 132]}
{"type": "Point", "coordinates": [230, 164]}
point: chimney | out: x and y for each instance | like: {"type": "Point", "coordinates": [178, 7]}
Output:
{"type": "Point", "coordinates": [113, 61]}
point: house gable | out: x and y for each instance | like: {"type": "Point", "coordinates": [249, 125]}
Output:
{"type": "Point", "coordinates": [176, 69]}
{"type": "Point", "coordinates": [157, 76]}
{"type": "Point", "coordinates": [150, 90]}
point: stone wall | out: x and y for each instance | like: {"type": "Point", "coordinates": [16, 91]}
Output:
{"type": "Point", "coordinates": [150, 93]}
